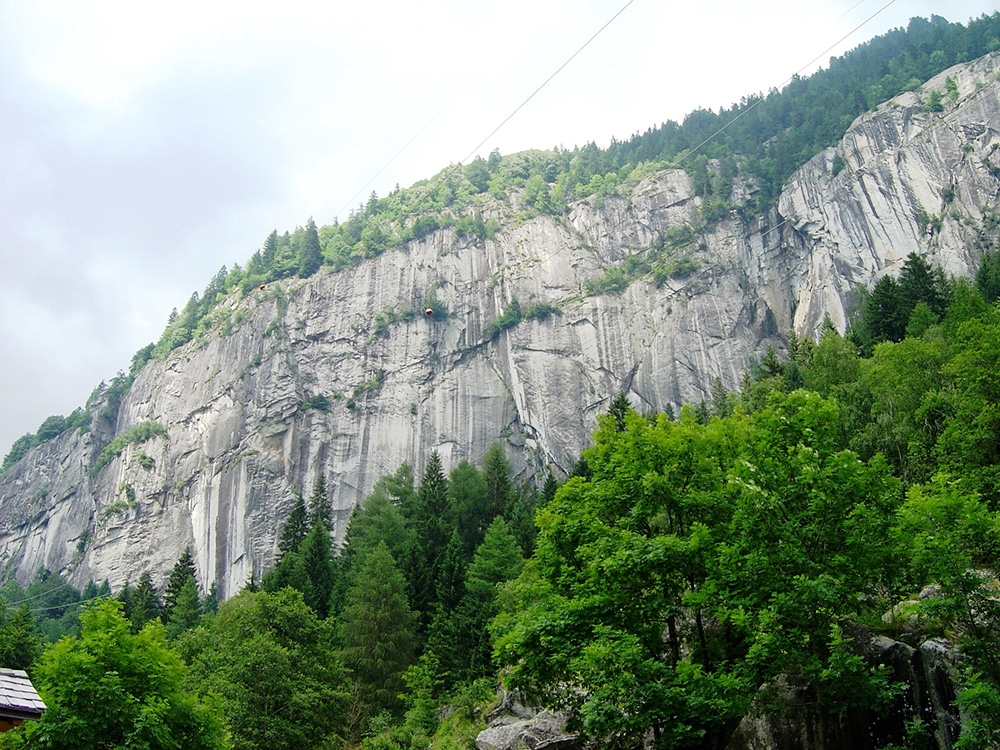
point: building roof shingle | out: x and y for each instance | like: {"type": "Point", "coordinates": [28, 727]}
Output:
{"type": "Point", "coordinates": [18, 697]}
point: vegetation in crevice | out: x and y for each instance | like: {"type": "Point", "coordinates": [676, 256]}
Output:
{"type": "Point", "coordinates": [138, 433]}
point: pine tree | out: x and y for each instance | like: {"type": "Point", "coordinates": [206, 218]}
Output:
{"type": "Point", "coordinates": [499, 490]}
{"type": "Point", "coordinates": [468, 505]}
{"type": "Point", "coordinates": [620, 406]}
{"type": "Point", "coordinates": [20, 643]}
{"type": "Point", "coordinates": [497, 560]}
{"type": "Point", "coordinates": [210, 604]}
{"type": "Point", "coordinates": [185, 612]}
{"type": "Point", "coordinates": [443, 634]}
{"type": "Point", "coordinates": [296, 527]}
{"type": "Point", "coordinates": [317, 564]}
{"type": "Point", "coordinates": [184, 571]}
{"type": "Point", "coordinates": [919, 283]}
{"type": "Point", "coordinates": [319, 504]}
{"type": "Point", "coordinates": [988, 276]}
{"type": "Point", "coordinates": [269, 250]}
{"type": "Point", "coordinates": [376, 630]}
{"type": "Point", "coordinates": [144, 603]}
{"type": "Point", "coordinates": [430, 536]}
{"type": "Point", "coordinates": [311, 253]}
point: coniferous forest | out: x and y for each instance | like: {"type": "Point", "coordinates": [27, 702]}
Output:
{"type": "Point", "coordinates": [693, 568]}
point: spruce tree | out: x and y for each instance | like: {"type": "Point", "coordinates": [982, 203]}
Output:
{"type": "Point", "coordinates": [468, 505]}
{"type": "Point", "coordinates": [145, 603]}
{"type": "Point", "coordinates": [20, 642]}
{"type": "Point", "coordinates": [268, 252]}
{"type": "Point", "coordinates": [317, 565]}
{"type": "Point", "coordinates": [430, 536]}
{"type": "Point", "coordinates": [319, 504]}
{"type": "Point", "coordinates": [310, 253]}
{"type": "Point", "coordinates": [185, 612]}
{"type": "Point", "coordinates": [377, 633]}
{"type": "Point", "coordinates": [620, 406]}
{"type": "Point", "coordinates": [446, 625]}
{"type": "Point", "coordinates": [499, 489]}
{"type": "Point", "coordinates": [988, 276]}
{"type": "Point", "coordinates": [184, 570]}
{"type": "Point", "coordinates": [497, 560]}
{"type": "Point", "coordinates": [296, 527]}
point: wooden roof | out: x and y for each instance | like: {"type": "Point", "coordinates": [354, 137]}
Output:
{"type": "Point", "coordinates": [18, 697]}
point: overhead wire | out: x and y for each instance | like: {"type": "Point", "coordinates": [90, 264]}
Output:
{"type": "Point", "coordinates": [546, 81]}
{"type": "Point", "coordinates": [498, 127]}
{"type": "Point", "coordinates": [678, 161]}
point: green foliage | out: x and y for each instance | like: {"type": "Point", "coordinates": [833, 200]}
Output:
{"type": "Point", "coordinates": [271, 662]}
{"type": "Point", "coordinates": [182, 576]}
{"type": "Point", "coordinates": [377, 635]}
{"type": "Point", "coordinates": [20, 447]}
{"type": "Point", "coordinates": [51, 428]}
{"type": "Point", "coordinates": [295, 528]}
{"type": "Point", "coordinates": [514, 315]}
{"type": "Point", "coordinates": [614, 281]}
{"type": "Point", "coordinates": [387, 318]}
{"type": "Point", "coordinates": [987, 277]}
{"type": "Point", "coordinates": [20, 644]}
{"type": "Point", "coordinates": [508, 319]}
{"type": "Point", "coordinates": [112, 688]}
{"type": "Point", "coordinates": [317, 564]}
{"type": "Point", "coordinates": [138, 433]}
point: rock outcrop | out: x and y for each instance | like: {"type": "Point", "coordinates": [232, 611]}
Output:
{"type": "Point", "coordinates": [333, 375]}
{"type": "Point", "coordinates": [926, 676]}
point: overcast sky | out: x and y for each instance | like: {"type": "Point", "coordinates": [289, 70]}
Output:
{"type": "Point", "coordinates": [142, 147]}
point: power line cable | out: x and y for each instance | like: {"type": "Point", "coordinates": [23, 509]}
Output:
{"type": "Point", "coordinates": [546, 81]}
{"type": "Point", "coordinates": [19, 602]}
{"type": "Point", "coordinates": [497, 128]}
{"type": "Point", "coordinates": [680, 159]}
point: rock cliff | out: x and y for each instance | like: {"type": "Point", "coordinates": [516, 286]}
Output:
{"type": "Point", "coordinates": [337, 375]}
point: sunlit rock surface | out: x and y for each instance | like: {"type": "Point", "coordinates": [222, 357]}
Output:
{"type": "Point", "coordinates": [239, 406]}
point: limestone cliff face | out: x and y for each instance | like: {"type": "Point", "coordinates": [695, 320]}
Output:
{"type": "Point", "coordinates": [240, 405]}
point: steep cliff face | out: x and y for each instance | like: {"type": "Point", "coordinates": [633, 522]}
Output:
{"type": "Point", "coordinates": [338, 375]}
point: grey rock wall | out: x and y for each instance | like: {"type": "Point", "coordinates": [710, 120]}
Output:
{"type": "Point", "coordinates": [240, 436]}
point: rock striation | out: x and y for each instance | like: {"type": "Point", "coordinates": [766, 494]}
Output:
{"type": "Point", "coordinates": [336, 375]}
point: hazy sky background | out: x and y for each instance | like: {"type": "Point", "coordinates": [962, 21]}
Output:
{"type": "Point", "coordinates": [141, 147]}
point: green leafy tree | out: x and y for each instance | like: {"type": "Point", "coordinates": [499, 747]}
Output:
{"type": "Point", "coordinates": [808, 537]}
{"type": "Point", "coordinates": [969, 446]}
{"type": "Point", "coordinates": [596, 621]}
{"type": "Point", "coordinates": [110, 688]}
{"type": "Point", "coordinates": [271, 662]}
